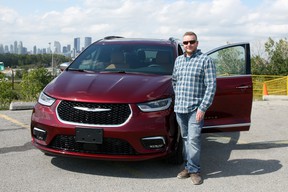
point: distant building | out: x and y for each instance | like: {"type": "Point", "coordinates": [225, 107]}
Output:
{"type": "Point", "coordinates": [57, 46]}
{"type": "Point", "coordinates": [11, 48]}
{"type": "Point", "coordinates": [6, 49]}
{"type": "Point", "coordinates": [87, 42]}
{"type": "Point", "coordinates": [49, 50]}
{"type": "Point", "coordinates": [77, 44]}
{"type": "Point", "coordinates": [70, 50]}
{"type": "Point", "coordinates": [64, 49]}
{"type": "Point", "coordinates": [19, 48]}
{"type": "Point", "coordinates": [15, 47]}
{"type": "Point", "coordinates": [34, 49]}
{"type": "Point", "coordinates": [1, 48]}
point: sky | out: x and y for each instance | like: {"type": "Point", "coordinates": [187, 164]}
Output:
{"type": "Point", "coordinates": [216, 22]}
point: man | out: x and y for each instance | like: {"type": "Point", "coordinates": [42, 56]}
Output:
{"type": "Point", "coordinates": [194, 84]}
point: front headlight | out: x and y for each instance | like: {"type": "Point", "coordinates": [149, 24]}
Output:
{"type": "Point", "coordinates": [158, 105]}
{"type": "Point", "coordinates": [45, 99]}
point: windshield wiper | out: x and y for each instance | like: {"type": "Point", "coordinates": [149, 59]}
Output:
{"type": "Point", "coordinates": [113, 71]}
{"type": "Point", "coordinates": [80, 70]}
{"type": "Point", "coordinates": [74, 69]}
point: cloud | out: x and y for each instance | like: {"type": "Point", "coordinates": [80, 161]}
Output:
{"type": "Point", "coordinates": [215, 21]}
{"type": "Point", "coordinates": [7, 16]}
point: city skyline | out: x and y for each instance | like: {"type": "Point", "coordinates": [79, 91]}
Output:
{"type": "Point", "coordinates": [18, 47]}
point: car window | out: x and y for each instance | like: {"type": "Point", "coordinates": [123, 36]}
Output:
{"type": "Point", "coordinates": [180, 49]}
{"type": "Point", "coordinates": [230, 61]}
{"type": "Point", "coordinates": [140, 58]}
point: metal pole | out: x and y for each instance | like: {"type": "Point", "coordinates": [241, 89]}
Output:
{"type": "Point", "coordinates": [12, 78]}
{"type": "Point", "coordinates": [52, 65]}
{"type": "Point", "coordinates": [287, 85]}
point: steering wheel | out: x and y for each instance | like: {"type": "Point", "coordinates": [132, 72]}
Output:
{"type": "Point", "coordinates": [153, 65]}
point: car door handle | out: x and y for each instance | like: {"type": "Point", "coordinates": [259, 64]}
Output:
{"type": "Point", "coordinates": [243, 87]}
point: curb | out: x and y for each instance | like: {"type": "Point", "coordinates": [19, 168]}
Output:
{"type": "Point", "coordinates": [21, 105]}
{"type": "Point", "coordinates": [275, 98]}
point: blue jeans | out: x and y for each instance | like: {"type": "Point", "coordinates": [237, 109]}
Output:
{"type": "Point", "coordinates": [191, 135]}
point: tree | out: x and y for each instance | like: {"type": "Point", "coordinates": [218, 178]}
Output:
{"type": "Point", "coordinates": [2, 75]}
{"type": "Point", "coordinates": [230, 61]}
{"type": "Point", "coordinates": [39, 60]}
{"type": "Point", "coordinates": [6, 93]}
{"type": "Point", "coordinates": [275, 61]}
{"type": "Point", "coordinates": [278, 56]}
{"type": "Point", "coordinates": [259, 65]}
{"type": "Point", "coordinates": [33, 82]}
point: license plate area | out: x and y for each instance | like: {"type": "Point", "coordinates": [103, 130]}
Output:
{"type": "Point", "coordinates": [88, 135]}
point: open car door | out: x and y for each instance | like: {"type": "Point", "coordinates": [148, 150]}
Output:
{"type": "Point", "coordinates": [231, 108]}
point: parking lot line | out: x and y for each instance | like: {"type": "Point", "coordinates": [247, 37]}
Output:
{"type": "Point", "coordinates": [14, 121]}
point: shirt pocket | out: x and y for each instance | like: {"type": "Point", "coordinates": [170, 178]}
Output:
{"type": "Point", "coordinates": [196, 72]}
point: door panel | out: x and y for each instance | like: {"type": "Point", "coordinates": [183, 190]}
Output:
{"type": "Point", "coordinates": [231, 108]}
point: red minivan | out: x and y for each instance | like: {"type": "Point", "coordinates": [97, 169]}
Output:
{"type": "Point", "coordinates": [115, 101]}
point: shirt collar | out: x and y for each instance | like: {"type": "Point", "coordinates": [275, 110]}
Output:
{"type": "Point", "coordinates": [197, 52]}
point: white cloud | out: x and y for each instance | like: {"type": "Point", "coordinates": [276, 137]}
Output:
{"type": "Point", "coordinates": [7, 16]}
{"type": "Point", "coordinates": [215, 21]}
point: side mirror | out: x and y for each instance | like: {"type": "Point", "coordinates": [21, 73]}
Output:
{"type": "Point", "coordinates": [63, 66]}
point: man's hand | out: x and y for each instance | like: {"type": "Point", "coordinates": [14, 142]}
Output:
{"type": "Point", "coordinates": [199, 115]}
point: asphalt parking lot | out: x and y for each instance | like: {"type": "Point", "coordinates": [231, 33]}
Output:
{"type": "Point", "coordinates": [256, 160]}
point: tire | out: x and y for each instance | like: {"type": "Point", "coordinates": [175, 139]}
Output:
{"type": "Point", "coordinates": [49, 154]}
{"type": "Point", "coordinates": [177, 157]}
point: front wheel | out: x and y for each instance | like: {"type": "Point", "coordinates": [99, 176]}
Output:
{"type": "Point", "coordinates": [177, 157]}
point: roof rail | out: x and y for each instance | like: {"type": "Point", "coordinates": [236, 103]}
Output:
{"type": "Point", "coordinates": [112, 37]}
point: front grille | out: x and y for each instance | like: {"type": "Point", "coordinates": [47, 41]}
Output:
{"type": "Point", "coordinates": [117, 114]}
{"type": "Point", "coordinates": [111, 146]}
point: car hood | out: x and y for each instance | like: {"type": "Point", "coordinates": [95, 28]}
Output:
{"type": "Point", "coordinates": [109, 87]}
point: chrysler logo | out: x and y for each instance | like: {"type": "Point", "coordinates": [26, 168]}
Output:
{"type": "Point", "coordinates": [92, 109]}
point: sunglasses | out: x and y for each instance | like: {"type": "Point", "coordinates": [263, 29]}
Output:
{"type": "Point", "coordinates": [191, 42]}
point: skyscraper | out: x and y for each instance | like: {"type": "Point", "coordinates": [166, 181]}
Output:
{"type": "Point", "coordinates": [69, 48]}
{"type": "Point", "coordinates": [77, 44]}
{"type": "Point", "coordinates": [15, 47]}
{"type": "Point", "coordinates": [6, 49]}
{"type": "Point", "coordinates": [1, 48]}
{"type": "Point", "coordinates": [57, 46]}
{"type": "Point", "coordinates": [19, 48]}
{"type": "Point", "coordinates": [34, 49]}
{"type": "Point", "coordinates": [11, 49]}
{"type": "Point", "coordinates": [88, 41]}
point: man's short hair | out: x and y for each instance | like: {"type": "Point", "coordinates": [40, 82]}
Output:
{"type": "Point", "coordinates": [190, 33]}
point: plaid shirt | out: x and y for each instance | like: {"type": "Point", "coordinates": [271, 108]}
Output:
{"type": "Point", "coordinates": [194, 82]}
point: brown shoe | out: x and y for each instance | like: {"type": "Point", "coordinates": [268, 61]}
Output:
{"type": "Point", "coordinates": [183, 174]}
{"type": "Point", "coordinates": [196, 178]}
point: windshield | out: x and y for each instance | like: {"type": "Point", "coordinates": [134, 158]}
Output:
{"type": "Point", "coordinates": [137, 58]}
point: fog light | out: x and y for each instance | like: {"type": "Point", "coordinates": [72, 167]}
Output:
{"type": "Point", "coordinates": [39, 134]}
{"type": "Point", "coordinates": [153, 142]}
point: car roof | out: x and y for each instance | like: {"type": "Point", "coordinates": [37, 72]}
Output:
{"type": "Point", "coordinates": [138, 40]}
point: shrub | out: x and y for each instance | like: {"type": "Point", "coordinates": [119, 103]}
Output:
{"type": "Point", "coordinates": [6, 93]}
{"type": "Point", "coordinates": [33, 82]}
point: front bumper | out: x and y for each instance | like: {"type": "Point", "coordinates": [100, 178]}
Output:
{"type": "Point", "coordinates": [145, 136]}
